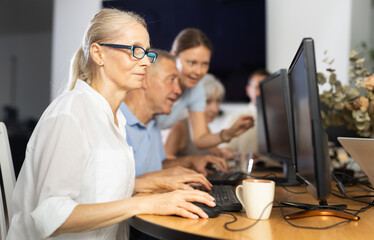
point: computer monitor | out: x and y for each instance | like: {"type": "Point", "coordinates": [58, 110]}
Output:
{"type": "Point", "coordinates": [312, 158]}
{"type": "Point", "coordinates": [261, 134]}
{"type": "Point", "coordinates": [276, 123]}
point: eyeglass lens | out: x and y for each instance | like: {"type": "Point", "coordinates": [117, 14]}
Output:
{"type": "Point", "coordinates": [139, 53]}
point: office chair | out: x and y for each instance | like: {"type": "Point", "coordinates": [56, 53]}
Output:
{"type": "Point", "coordinates": [3, 226]}
{"type": "Point", "coordinates": [8, 179]}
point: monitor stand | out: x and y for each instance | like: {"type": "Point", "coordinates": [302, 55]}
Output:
{"type": "Point", "coordinates": [289, 178]}
{"type": "Point", "coordinates": [323, 209]}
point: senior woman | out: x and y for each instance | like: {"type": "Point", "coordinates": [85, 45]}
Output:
{"type": "Point", "coordinates": [78, 175]}
{"type": "Point", "coordinates": [179, 142]}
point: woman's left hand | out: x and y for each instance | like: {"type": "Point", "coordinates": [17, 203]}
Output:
{"type": "Point", "coordinates": [182, 182]}
{"type": "Point", "coordinates": [177, 171]}
{"type": "Point", "coordinates": [171, 183]}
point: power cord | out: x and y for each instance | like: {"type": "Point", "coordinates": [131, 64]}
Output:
{"type": "Point", "coordinates": [354, 180]}
{"type": "Point", "coordinates": [226, 225]}
{"type": "Point", "coordinates": [342, 190]}
{"type": "Point", "coordinates": [288, 190]}
{"type": "Point", "coordinates": [340, 196]}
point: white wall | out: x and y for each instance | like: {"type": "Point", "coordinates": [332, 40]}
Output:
{"type": "Point", "coordinates": [70, 20]}
{"type": "Point", "coordinates": [362, 28]}
{"type": "Point", "coordinates": [372, 23]}
{"type": "Point", "coordinates": [27, 79]}
{"type": "Point", "coordinates": [328, 22]}
{"type": "Point", "coordinates": [361, 22]}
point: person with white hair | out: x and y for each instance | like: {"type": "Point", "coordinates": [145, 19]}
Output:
{"type": "Point", "coordinates": [179, 142]}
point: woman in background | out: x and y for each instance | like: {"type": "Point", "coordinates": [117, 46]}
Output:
{"type": "Point", "coordinates": [78, 175]}
{"type": "Point", "coordinates": [193, 51]}
{"type": "Point", "coordinates": [179, 141]}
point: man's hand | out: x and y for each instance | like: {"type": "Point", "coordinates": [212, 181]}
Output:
{"type": "Point", "coordinates": [199, 163]}
{"type": "Point", "coordinates": [226, 153]}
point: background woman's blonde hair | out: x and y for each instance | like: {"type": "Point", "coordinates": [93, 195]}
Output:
{"type": "Point", "coordinates": [106, 25]}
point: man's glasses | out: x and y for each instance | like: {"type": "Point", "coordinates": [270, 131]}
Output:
{"type": "Point", "coordinates": [137, 52]}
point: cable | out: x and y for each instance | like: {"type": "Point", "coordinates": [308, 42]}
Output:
{"type": "Point", "coordinates": [354, 180]}
{"type": "Point", "coordinates": [363, 196]}
{"type": "Point", "coordinates": [342, 190]}
{"type": "Point", "coordinates": [288, 190]}
{"type": "Point", "coordinates": [226, 225]}
{"type": "Point", "coordinates": [360, 196]}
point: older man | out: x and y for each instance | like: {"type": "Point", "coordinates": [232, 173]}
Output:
{"type": "Point", "coordinates": [159, 91]}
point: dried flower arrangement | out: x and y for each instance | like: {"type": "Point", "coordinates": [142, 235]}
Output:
{"type": "Point", "coordinates": [350, 105]}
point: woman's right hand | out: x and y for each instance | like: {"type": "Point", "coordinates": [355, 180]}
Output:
{"type": "Point", "coordinates": [240, 126]}
{"type": "Point", "coordinates": [176, 203]}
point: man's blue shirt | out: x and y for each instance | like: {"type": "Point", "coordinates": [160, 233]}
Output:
{"type": "Point", "coordinates": [146, 142]}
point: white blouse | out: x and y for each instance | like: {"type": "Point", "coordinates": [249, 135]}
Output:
{"type": "Point", "coordinates": [76, 155]}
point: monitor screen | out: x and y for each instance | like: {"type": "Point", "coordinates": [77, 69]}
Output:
{"type": "Point", "coordinates": [312, 157]}
{"type": "Point", "coordinates": [276, 124]}
{"type": "Point", "coordinates": [275, 132]}
{"type": "Point", "coordinates": [261, 134]}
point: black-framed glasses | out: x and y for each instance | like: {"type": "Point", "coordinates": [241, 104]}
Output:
{"type": "Point", "coordinates": [137, 52]}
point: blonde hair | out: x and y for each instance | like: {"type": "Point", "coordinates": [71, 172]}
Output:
{"type": "Point", "coordinates": [213, 85]}
{"type": "Point", "coordinates": [106, 25]}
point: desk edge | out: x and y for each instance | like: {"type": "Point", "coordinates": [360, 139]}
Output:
{"type": "Point", "coordinates": [162, 231]}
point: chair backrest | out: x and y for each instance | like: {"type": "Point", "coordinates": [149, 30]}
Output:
{"type": "Point", "coordinates": [3, 226]}
{"type": "Point", "coordinates": [7, 172]}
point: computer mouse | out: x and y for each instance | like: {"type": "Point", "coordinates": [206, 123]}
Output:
{"type": "Point", "coordinates": [260, 163]}
{"type": "Point", "coordinates": [212, 212]}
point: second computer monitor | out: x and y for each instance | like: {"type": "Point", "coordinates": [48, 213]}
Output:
{"type": "Point", "coordinates": [313, 163]}
{"type": "Point", "coordinates": [277, 123]}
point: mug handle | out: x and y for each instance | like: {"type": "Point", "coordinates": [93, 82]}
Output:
{"type": "Point", "coordinates": [239, 194]}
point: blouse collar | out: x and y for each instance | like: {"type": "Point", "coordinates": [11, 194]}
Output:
{"type": "Point", "coordinates": [99, 101]}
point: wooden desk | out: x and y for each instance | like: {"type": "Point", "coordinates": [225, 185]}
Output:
{"type": "Point", "coordinates": [171, 227]}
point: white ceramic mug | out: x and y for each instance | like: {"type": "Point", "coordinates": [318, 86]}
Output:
{"type": "Point", "coordinates": [256, 196]}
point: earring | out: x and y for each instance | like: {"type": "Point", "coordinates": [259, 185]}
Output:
{"type": "Point", "coordinates": [101, 63]}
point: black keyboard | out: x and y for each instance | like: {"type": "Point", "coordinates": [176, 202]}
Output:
{"type": "Point", "coordinates": [221, 178]}
{"type": "Point", "coordinates": [225, 197]}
